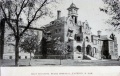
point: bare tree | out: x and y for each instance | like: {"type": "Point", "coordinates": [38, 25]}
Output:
{"type": "Point", "coordinates": [14, 11]}
{"type": "Point", "coordinates": [112, 8]}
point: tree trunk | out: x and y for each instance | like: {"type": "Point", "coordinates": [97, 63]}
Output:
{"type": "Point", "coordinates": [60, 58]}
{"type": "Point", "coordinates": [2, 29]}
{"type": "Point", "coordinates": [30, 58]}
{"type": "Point", "coordinates": [16, 51]}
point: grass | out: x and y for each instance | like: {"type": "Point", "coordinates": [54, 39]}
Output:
{"type": "Point", "coordinates": [66, 62]}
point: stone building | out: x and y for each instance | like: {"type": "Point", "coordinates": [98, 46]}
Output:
{"type": "Point", "coordinates": [76, 38]}
{"type": "Point", "coordinates": [9, 42]}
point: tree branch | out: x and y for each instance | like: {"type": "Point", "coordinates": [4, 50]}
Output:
{"type": "Point", "coordinates": [34, 16]}
{"type": "Point", "coordinates": [10, 25]}
{"type": "Point", "coordinates": [22, 7]}
{"type": "Point", "coordinates": [6, 19]}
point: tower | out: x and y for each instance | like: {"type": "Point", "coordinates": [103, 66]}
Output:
{"type": "Point", "coordinates": [72, 11]}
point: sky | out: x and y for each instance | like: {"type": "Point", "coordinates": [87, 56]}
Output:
{"type": "Point", "coordinates": [88, 10]}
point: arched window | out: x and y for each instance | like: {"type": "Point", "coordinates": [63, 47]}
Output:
{"type": "Point", "coordinates": [87, 39]}
{"type": "Point", "coordinates": [95, 50]}
{"type": "Point", "coordinates": [78, 48]}
{"type": "Point", "coordinates": [68, 48]}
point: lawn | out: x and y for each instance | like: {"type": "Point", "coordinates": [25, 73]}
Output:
{"type": "Point", "coordinates": [66, 62]}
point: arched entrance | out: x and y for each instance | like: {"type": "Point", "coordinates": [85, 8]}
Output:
{"type": "Point", "coordinates": [88, 50]}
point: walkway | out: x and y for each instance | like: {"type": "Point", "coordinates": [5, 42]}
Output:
{"type": "Point", "coordinates": [91, 58]}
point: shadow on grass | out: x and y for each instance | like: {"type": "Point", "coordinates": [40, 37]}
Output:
{"type": "Point", "coordinates": [24, 65]}
{"type": "Point", "coordinates": [50, 64]}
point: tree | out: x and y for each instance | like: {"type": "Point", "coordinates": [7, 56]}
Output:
{"type": "Point", "coordinates": [61, 48]}
{"type": "Point", "coordinates": [29, 44]}
{"type": "Point", "coordinates": [112, 9]}
{"type": "Point", "coordinates": [14, 11]}
{"type": "Point", "coordinates": [2, 38]}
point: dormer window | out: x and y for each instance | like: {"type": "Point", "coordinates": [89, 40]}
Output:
{"type": "Point", "coordinates": [70, 31]}
{"type": "Point", "coordinates": [78, 37]}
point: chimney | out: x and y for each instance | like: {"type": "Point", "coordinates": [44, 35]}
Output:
{"type": "Point", "coordinates": [58, 14]}
{"type": "Point", "coordinates": [99, 33]}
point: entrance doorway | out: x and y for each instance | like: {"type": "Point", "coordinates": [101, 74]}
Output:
{"type": "Point", "coordinates": [88, 50]}
{"type": "Point", "coordinates": [106, 54]}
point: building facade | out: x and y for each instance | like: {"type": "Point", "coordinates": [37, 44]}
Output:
{"type": "Point", "coordinates": [72, 38]}
{"type": "Point", "coordinates": [9, 42]}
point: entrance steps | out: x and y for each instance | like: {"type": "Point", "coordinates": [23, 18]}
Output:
{"type": "Point", "coordinates": [88, 57]}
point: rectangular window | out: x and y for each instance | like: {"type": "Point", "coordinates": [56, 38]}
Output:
{"type": "Point", "coordinates": [10, 57]}
{"type": "Point", "coordinates": [25, 57]}
{"type": "Point", "coordinates": [19, 57]}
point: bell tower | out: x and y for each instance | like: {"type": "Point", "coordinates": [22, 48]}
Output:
{"type": "Point", "coordinates": [72, 11]}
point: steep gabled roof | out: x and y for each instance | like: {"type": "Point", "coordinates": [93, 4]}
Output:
{"type": "Point", "coordinates": [72, 6]}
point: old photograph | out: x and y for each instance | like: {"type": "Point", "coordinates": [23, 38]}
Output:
{"type": "Point", "coordinates": [59, 33]}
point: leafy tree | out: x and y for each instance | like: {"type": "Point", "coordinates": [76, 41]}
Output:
{"type": "Point", "coordinates": [60, 47]}
{"type": "Point", "coordinates": [15, 11]}
{"type": "Point", "coordinates": [112, 8]}
{"type": "Point", "coordinates": [29, 44]}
